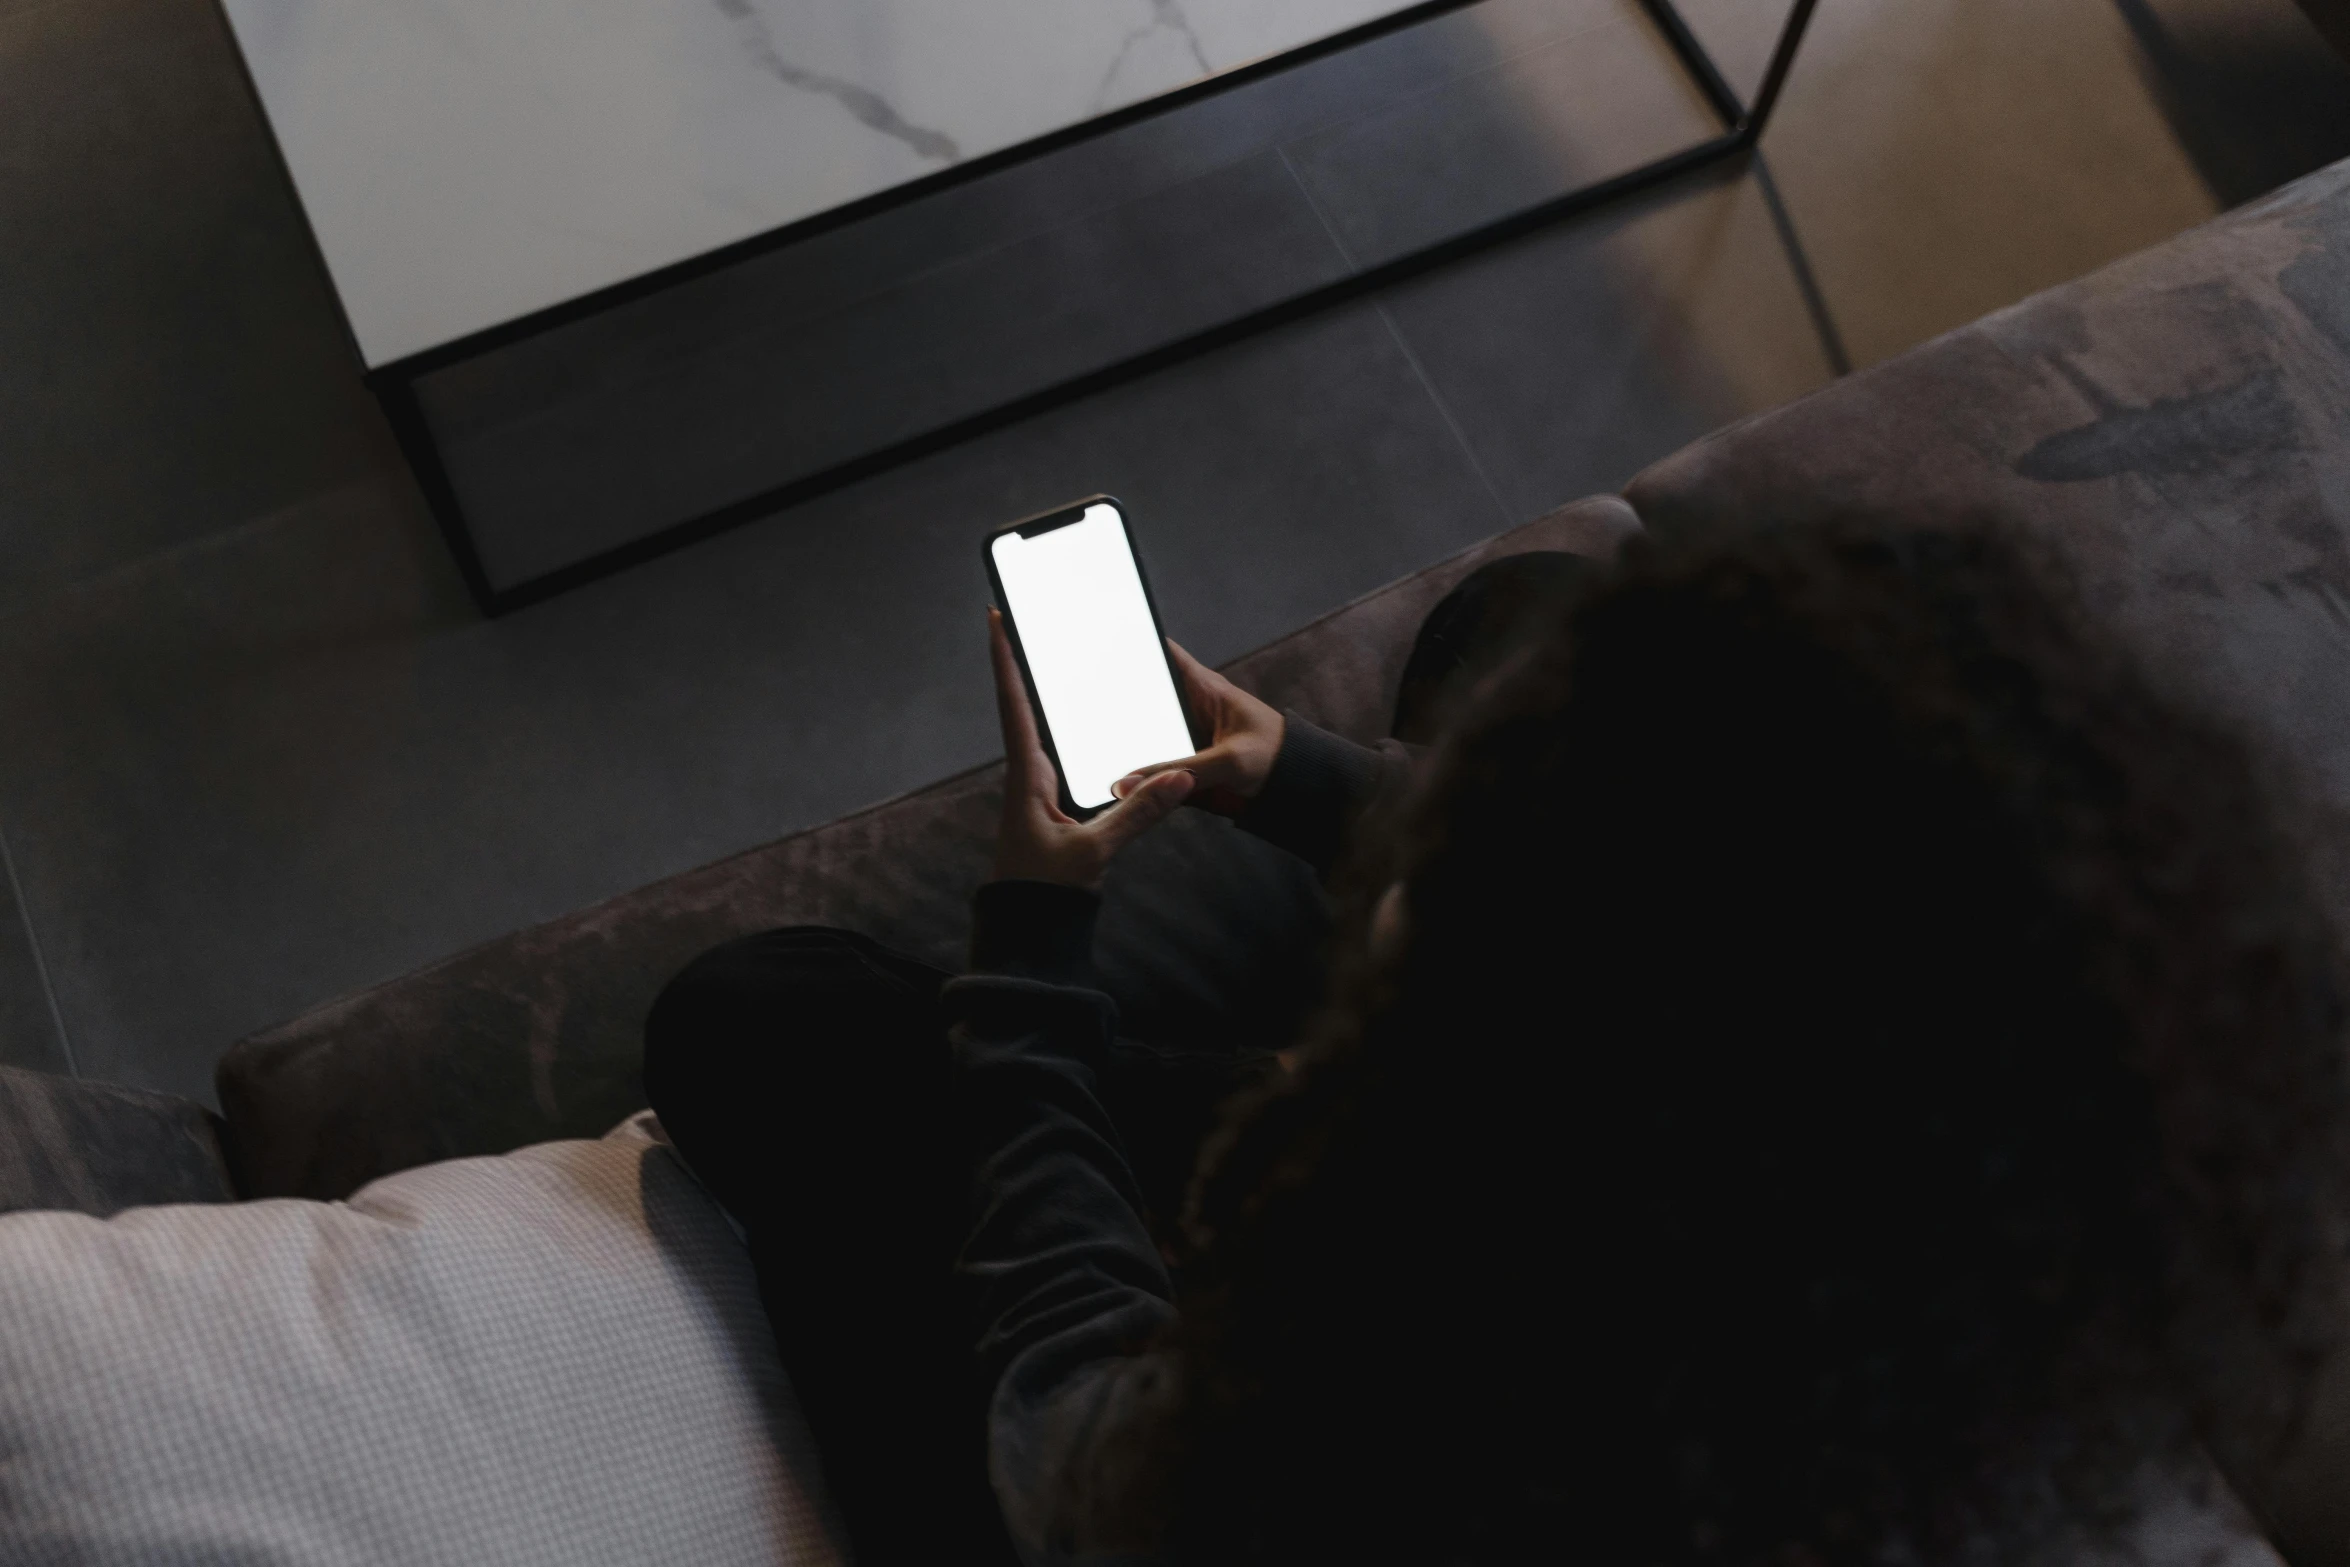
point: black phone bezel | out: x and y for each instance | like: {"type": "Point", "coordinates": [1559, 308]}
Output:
{"type": "Point", "coordinates": [1046, 522]}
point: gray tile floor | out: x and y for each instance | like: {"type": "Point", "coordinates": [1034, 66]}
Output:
{"type": "Point", "coordinates": [256, 749]}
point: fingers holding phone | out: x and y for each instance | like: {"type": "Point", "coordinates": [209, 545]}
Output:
{"type": "Point", "coordinates": [1101, 712]}
{"type": "Point", "coordinates": [1244, 738]}
{"type": "Point", "coordinates": [1036, 840]}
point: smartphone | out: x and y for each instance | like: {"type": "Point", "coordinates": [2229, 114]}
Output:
{"type": "Point", "coordinates": [1081, 619]}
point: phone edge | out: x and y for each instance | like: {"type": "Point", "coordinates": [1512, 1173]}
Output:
{"type": "Point", "coordinates": [1150, 599]}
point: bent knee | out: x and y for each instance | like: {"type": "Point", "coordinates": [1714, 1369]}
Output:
{"type": "Point", "coordinates": [798, 1008]}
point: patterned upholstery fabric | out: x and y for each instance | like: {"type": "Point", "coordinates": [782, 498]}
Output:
{"type": "Point", "coordinates": [537, 1035]}
{"type": "Point", "coordinates": [556, 1357]}
{"type": "Point", "coordinates": [94, 1148]}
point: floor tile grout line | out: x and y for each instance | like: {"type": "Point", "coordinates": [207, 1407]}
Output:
{"type": "Point", "coordinates": [1329, 229]}
{"type": "Point", "coordinates": [1444, 412]}
{"type": "Point", "coordinates": [1395, 334]}
{"type": "Point", "coordinates": [32, 940]}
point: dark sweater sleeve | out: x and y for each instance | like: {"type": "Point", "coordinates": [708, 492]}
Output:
{"type": "Point", "coordinates": [1320, 786]}
{"type": "Point", "coordinates": [1066, 1287]}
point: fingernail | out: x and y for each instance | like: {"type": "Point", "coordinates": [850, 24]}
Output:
{"type": "Point", "coordinates": [1124, 786]}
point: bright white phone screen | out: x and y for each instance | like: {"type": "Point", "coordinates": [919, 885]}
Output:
{"type": "Point", "coordinates": [1093, 651]}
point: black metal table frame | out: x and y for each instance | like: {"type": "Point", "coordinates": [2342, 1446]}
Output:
{"type": "Point", "coordinates": [394, 384]}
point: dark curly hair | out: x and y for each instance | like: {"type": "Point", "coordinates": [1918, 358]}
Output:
{"type": "Point", "coordinates": [1861, 1079]}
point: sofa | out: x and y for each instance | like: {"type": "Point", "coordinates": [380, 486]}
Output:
{"type": "Point", "coordinates": [2177, 424]}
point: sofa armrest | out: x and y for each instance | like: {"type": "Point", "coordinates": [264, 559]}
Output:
{"type": "Point", "coordinates": [97, 1149]}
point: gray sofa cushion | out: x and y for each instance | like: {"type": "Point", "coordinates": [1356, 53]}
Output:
{"type": "Point", "coordinates": [556, 1357]}
{"type": "Point", "coordinates": [2179, 425]}
{"type": "Point", "coordinates": [96, 1149]}
{"type": "Point", "coordinates": [538, 1035]}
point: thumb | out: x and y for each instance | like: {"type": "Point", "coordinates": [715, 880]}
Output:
{"type": "Point", "coordinates": [1150, 803]}
{"type": "Point", "coordinates": [1209, 769]}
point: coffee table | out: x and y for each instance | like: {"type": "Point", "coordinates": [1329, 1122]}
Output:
{"type": "Point", "coordinates": [525, 193]}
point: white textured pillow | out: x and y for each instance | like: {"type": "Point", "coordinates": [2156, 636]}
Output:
{"type": "Point", "coordinates": [553, 1357]}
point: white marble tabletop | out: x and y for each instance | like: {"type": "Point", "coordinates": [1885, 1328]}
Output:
{"type": "Point", "coordinates": [466, 162]}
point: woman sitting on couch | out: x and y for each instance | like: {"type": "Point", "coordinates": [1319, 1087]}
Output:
{"type": "Point", "coordinates": [1825, 1066]}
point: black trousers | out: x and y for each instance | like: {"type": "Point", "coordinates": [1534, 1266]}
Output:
{"type": "Point", "coordinates": [801, 1073]}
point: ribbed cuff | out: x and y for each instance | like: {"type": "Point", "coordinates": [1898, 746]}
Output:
{"type": "Point", "coordinates": [1319, 784]}
{"type": "Point", "coordinates": [1035, 929]}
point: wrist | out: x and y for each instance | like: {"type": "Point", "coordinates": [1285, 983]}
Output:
{"type": "Point", "coordinates": [1037, 867]}
{"type": "Point", "coordinates": [1268, 753]}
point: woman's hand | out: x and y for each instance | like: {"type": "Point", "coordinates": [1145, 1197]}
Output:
{"type": "Point", "coordinates": [1037, 840]}
{"type": "Point", "coordinates": [1244, 736]}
